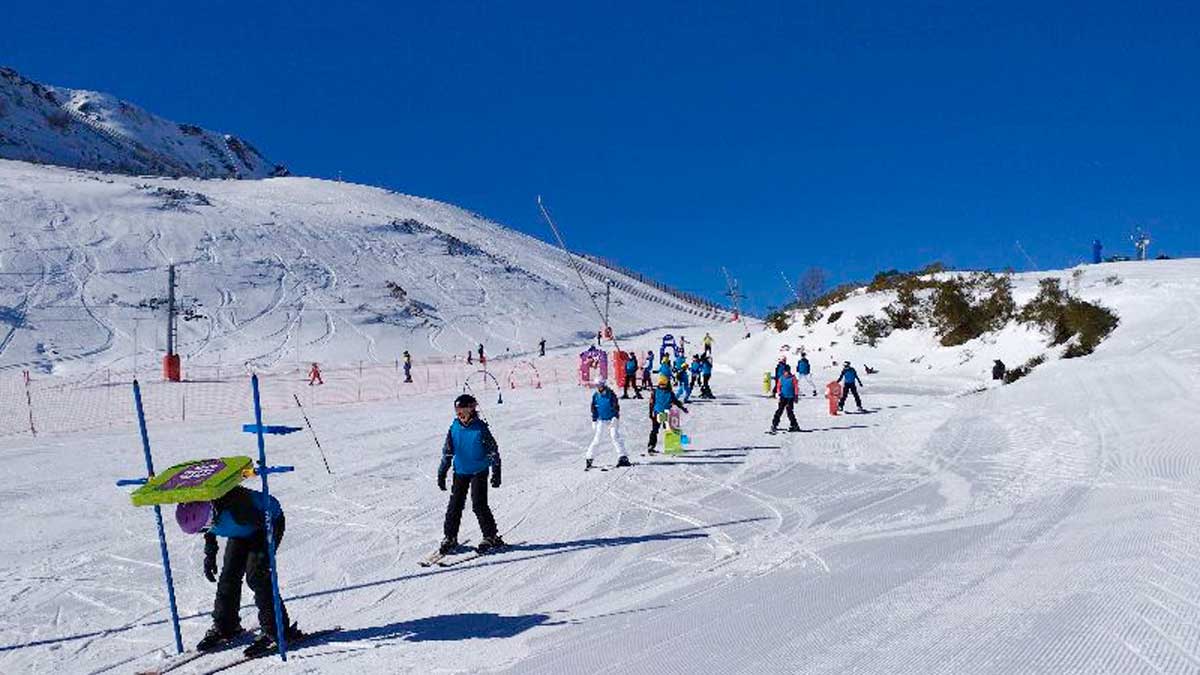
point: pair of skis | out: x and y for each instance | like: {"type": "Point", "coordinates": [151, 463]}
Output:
{"type": "Point", "coordinates": [244, 639]}
{"type": "Point", "coordinates": [458, 557]}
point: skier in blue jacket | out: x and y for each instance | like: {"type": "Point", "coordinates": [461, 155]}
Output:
{"type": "Point", "coordinates": [789, 391]}
{"type": "Point", "coordinates": [850, 382]}
{"type": "Point", "coordinates": [706, 377]}
{"type": "Point", "coordinates": [239, 517]}
{"type": "Point", "coordinates": [779, 368]}
{"type": "Point", "coordinates": [647, 370]}
{"type": "Point", "coordinates": [471, 450]}
{"type": "Point", "coordinates": [804, 372]}
{"type": "Point", "coordinates": [606, 415]}
{"type": "Point", "coordinates": [660, 402]}
{"type": "Point", "coordinates": [631, 373]}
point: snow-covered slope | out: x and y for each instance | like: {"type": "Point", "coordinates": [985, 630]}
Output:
{"type": "Point", "coordinates": [283, 268]}
{"type": "Point", "coordinates": [917, 354]}
{"type": "Point", "coordinates": [92, 130]}
{"type": "Point", "coordinates": [1049, 526]}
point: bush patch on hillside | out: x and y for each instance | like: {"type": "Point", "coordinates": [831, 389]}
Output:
{"type": "Point", "coordinates": [869, 330]}
{"type": "Point", "coordinates": [1024, 369]}
{"type": "Point", "coordinates": [1068, 319]}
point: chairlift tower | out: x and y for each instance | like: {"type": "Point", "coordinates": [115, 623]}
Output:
{"type": "Point", "coordinates": [735, 295]}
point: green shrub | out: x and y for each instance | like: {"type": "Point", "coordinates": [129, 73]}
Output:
{"type": "Point", "coordinates": [1065, 317]}
{"type": "Point", "coordinates": [778, 320]}
{"type": "Point", "coordinates": [834, 317]}
{"type": "Point", "coordinates": [869, 330]}
{"type": "Point", "coordinates": [963, 308]}
{"type": "Point", "coordinates": [904, 312]}
{"type": "Point", "coordinates": [836, 295]}
{"type": "Point", "coordinates": [1024, 369]}
{"type": "Point", "coordinates": [813, 315]}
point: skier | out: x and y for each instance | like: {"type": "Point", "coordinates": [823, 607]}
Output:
{"type": "Point", "coordinates": [779, 368]}
{"type": "Point", "coordinates": [708, 343]}
{"type": "Point", "coordinates": [661, 401]}
{"type": "Point", "coordinates": [482, 358]}
{"type": "Point", "coordinates": [542, 347]}
{"type": "Point", "coordinates": [407, 366]}
{"type": "Point", "coordinates": [664, 367]}
{"type": "Point", "coordinates": [472, 450]}
{"type": "Point", "coordinates": [850, 380]}
{"type": "Point", "coordinates": [606, 414]}
{"type": "Point", "coordinates": [706, 376]}
{"type": "Point", "coordinates": [789, 391]}
{"type": "Point", "coordinates": [470, 357]}
{"type": "Point", "coordinates": [683, 381]}
{"type": "Point", "coordinates": [239, 517]}
{"type": "Point", "coordinates": [696, 370]}
{"type": "Point", "coordinates": [804, 372]}
{"type": "Point", "coordinates": [998, 370]}
{"type": "Point", "coordinates": [631, 373]}
{"type": "Point", "coordinates": [314, 375]}
{"type": "Point", "coordinates": [647, 369]}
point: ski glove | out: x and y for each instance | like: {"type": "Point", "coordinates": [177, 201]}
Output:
{"type": "Point", "coordinates": [443, 469]}
{"type": "Point", "coordinates": [210, 558]}
{"type": "Point", "coordinates": [496, 476]}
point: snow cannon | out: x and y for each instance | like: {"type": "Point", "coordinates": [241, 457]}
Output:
{"type": "Point", "coordinates": [833, 392]}
{"type": "Point", "coordinates": [766, 382]}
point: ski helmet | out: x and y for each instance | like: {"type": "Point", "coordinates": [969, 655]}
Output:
{"type": "Point", "coordinates": [194, 517]}
{"type": "Point", "coordinates": [465, 401]}
{"type": "Point", "coordinates": [598, 382]}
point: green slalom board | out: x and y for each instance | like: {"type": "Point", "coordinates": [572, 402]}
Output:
{"type": "Point", "coordinates": [200, 480]}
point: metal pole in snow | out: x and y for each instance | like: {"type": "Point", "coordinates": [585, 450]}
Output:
{"type": "Point", "coordinates": [162, 537]}
{"type": "Point", "coordinates": [280, 629]}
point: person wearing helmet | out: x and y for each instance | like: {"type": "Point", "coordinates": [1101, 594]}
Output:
{"type": "Point", "coordinates": [631, 373]}
{"type": "Point", "coordinates": [779, 368]}
{"type": "Point", "coordinates": [647, 370]}
{"type": "Point", "coordinates": [472, 451]}
{"type": "Point", "coordinates": [849, 379]}
{"type": "Point", "coordinates": [804, 372]}
{"type": "Point", "coordinates": [239, 517]}
{"type": "Point", "coordinates": [661, 401]}
{"type": "Point", "coordinates": [606, 414]}
{"type": "Point", "coordinates": [789, 391]}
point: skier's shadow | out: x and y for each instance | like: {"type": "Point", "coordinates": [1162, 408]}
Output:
{"type": "Point", "coordinates": [445, 628]}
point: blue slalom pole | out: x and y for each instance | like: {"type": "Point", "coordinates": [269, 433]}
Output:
{"type": "Point", "coordinates": [162, 536]}
{"type": "Point", "coordinates": [280, 629]}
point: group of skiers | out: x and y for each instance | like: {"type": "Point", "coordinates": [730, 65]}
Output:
{"type": "Point", "coordinates": [470, 465]}
{"type": "Point", "coordinates": [786, 386]}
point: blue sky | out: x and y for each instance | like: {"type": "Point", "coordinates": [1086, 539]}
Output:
{"type": "Point", "coordinates": [679, 137]}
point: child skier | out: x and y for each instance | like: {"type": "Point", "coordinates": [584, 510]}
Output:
{"type": "Point", "coordinates": [239, 516]}
{"type": "Point", "coordinates": [631, 373]}
{"type": "Point", "coordinates": [804, 372]}
{"type": "Point", "coordinates": [606, 414]}
{"type": "Point", "coordinates": [472, 450]}
{"type": "Point", "coordinates": [696, 369]}
{"type": "Point", "coordinates": [647, 369]}
{"type": "Point", "coordinates": [705, 377]}
{"type": "Point", "coordinates": [779, 368]}
{"type": "Point", "coordinates": [850, 380]}
{"type": "Point", "coordinates": [407, 366]}
{"type": "Point", "coordinates": [789, 391]}
{"type": "Point", "coordinates": [660, 404]}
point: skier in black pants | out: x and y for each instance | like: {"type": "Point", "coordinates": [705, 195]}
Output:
{"type": "Point", "coordinates": [849, 378]}
{"type": "Point", "coordinates": [239, 516]}
{"type": "Point", "coordinates": [407, 366]}
{"type": "Point", "coordinates": [542, 347]}
{"type": "Point", "coordinates": [661, 400]}
{"type": "Point", "coordinates": [472, 450]}
{"type": "Point", "coordinates": [789, 391]}
{"type": "Point", "coordinates": [631, 375]}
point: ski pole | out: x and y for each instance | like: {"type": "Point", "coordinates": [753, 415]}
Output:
{"type": "Point", "coordinates": [314, 434]}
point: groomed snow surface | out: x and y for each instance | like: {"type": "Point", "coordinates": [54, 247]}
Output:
{"type": "Point", "coordinates": [1046, 526]}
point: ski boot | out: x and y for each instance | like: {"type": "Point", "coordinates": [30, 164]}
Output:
{"type": "Point", "coordinates": [624, 461]}
{"type": "Point", "coordinates": [490, 544]}
{"type": "Point", "coordinates": [216, 638]}
{"type": "Point", "coordinates": [265, 644]}
{"type": "Point", "coordinates": [448, 546]}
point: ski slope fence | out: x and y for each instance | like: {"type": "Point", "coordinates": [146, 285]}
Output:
{"type": "Point", "coordinates": [33, 404]}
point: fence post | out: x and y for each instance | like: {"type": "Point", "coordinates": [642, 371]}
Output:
{"type": "Point", "coordinates": [29, 403]}
{"type": "Point", "coordinates": [360, 381]}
